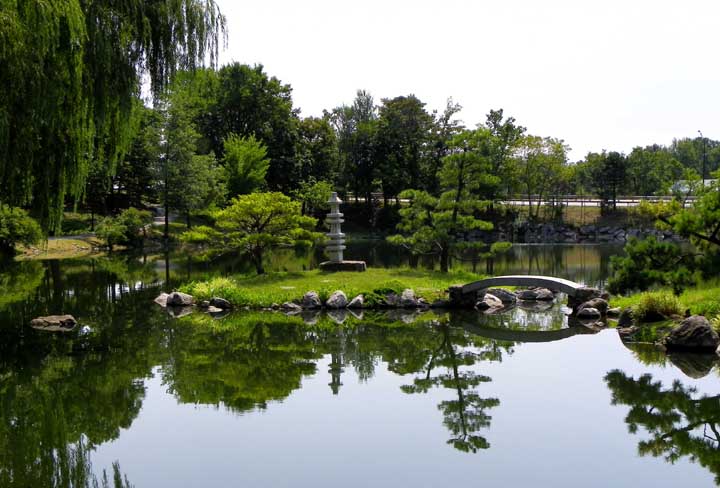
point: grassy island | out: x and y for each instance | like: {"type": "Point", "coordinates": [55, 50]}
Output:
{"type": "Point", "coordinates": [264, 290]}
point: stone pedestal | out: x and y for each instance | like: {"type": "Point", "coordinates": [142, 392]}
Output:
{"type": "Point", "coordinates": [343, 266]}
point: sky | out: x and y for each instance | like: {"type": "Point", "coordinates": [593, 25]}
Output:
{"type": "Point", "coordinates": [598, 74]}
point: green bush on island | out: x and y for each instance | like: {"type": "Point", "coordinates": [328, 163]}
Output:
{"type": "Point", "coordinates": [127, 229]}
{"type": "Point", "coordinates": [17, 227]}
{"type": "Point", "coordinates": [656, 306]}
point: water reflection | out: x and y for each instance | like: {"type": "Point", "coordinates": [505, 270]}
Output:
{"type": "Point", "coordinates": [680, 422]}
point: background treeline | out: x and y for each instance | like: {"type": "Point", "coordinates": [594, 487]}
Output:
{"type": "Point", "coordinates": [216, 134]}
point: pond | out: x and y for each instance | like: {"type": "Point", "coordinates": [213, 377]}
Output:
{"type": "Point", "coordinates": [260, 399]}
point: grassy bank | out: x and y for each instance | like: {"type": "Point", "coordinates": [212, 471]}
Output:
{"type": "Point", "coordinates": [62, 249]}
{"type": "Point", "coordinates": [264, 290]}
{"type": "Point", "coordinates": [703, 299]}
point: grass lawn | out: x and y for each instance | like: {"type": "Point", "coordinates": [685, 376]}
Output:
{"type": "Point", "coordinates": [62, 249]}
{"type": "Point", "coordinates": [264, 290]}
{"type": "Point", "coordinates": [703, 299]}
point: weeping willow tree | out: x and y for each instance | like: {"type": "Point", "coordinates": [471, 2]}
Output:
{"type": "Point", "coordinates": [70, 72]}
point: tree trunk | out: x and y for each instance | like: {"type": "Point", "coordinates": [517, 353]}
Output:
{"type": "Point", "coordinates": [444, 259]}
{"type": "Point", "coordinates": [187, 219]}
{"type": "Point", "coordinates": [258, 260]}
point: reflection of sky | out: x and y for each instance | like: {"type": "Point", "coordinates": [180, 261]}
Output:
{"type": "Point", "coordinates": [554, 427]}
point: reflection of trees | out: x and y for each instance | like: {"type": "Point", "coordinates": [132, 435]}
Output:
{"type": "Point", "coordinates": [252, 360]}
{"type": "Point", "coordinates": [679, 425]}
{"type": "Point", "coordinates": [466, 415]}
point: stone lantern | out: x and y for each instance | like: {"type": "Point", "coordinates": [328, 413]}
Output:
{"type": "Point", "coordinates": [336, 241]}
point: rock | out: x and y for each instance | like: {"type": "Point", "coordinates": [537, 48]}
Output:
{"type": "Point", "coordinates": [407, 299]}
{"type": "Point", "coordinates": [274, 306]}
{"type": "Point", "coordinates": [504, 295]}
{"type": "Point", "coordinates": [179, 299]}
{"type": "Point", "coordinates": [533, 294]}
{"type": "Point", "coordinates": [627, 332]}
{"type": "Point", "coordinates": [613, 313]}
{"type": "Point", "coordinates": [357, 302]}
{"type": "Point", "coordinates": [54, 323]}
{"type": "Point", "coordinates": [489, 302]}
{"type": "Point", "coordinates": [626, 318]}
{"type": "Point", "coordinates": [692, 364]}
{"type": "Point", "coordinates": [458, 299]}
{"type": "Point", "coordinates": [440, 303]}
{"type": "Point", "coordinates": [220, 303]}
{"type": "Point", "coordinates": [337, 300]}
{"type": "Point", "coordinates": [693, 334]}
{"type": "Point", "coordinates": [589, 313]}
{"type": "Point", "coordinates": [204, 304]}
{"type": "Point", "coordinates": [214, 309]}
{"type": "Point", "coordinates": [596, 303]}
{"type": "Point", "coordinates": [177, 312]}
{"type": "Point", "coordinates": [162, 299]}
{"type": "Point", "coordinates": [311, 301]}
{"type": "Point", "coordinates": [291, 307]}
{"type": "Point", "coordinates": [339, 316]}
{"type": "Point", "coordinates": [391, 300]}
{"type": "Point", "coordinates": [422, 303]}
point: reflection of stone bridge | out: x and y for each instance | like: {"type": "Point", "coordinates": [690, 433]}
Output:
{"type": "Point", "coordinates": [516, 335]}
{"type": "Point", "coordinates": [577, 293]}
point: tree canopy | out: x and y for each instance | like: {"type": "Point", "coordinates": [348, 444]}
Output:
{"type": "Point", "coordinates": [71, 69]}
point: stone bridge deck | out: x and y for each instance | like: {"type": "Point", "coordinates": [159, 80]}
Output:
{"type": "Point", "coordinates": [555, 284]}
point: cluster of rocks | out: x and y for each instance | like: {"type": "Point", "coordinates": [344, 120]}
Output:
{"type": "Point", "coordinates": [692, 334]}
{"type": "Point", "coordinates": [561, 233]}
{"type": "Point", "coordinates": [338, 300]}
{"type": "Point", "coordinates": [179, 304]}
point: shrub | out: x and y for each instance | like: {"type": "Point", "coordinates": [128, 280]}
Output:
{"type": "Point", "coordinates": [17, 227]}
{"type": "Point", "coordinates": [656, 306]}
{"type": "Point", "coordinates": [128, 228]}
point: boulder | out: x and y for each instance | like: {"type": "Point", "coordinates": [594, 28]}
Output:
{"type": "Point", "coordinates": [626, 333]}
{"type": "Point", "coordinates": [391, 300]}
{"type": "Point", "coordinates": [179, 299]}
{"type": "Point", "coordinates": [693, 334]}
{"type": "Point", "coordinates": [489, 302]}
{"type": "Point", "coordinates": [357, 302]}
{"type": "Point", "coordinates": [440, 303]}
{"type": "Point", "coordinates": [337, 300]}
{"type": "Point", "coordinates": [589, 313]}
{"type": "Point", "coordinates": [408, 299]}
{"type": "Point", "coordinates": [214, 309]}
{"type": "Point", "coordinates": [458, 299]}
{"type": "Point", "coordinates": [220, 303]}
{"type": "Point", "coordinates": [535, 294]}
{"type": "Point", "coordinates": [204, 304]}
{"type": "Point", "coordinates": [291, 307]}
{"type": "Point", "coordinates": [613, 313]}
{"type": "Point", "coordinates": [626, 318]}
{"type": "Point", "coordinates": [54, 323]}
{"type": "Point", "coordinates": [597, 303]}
{"type": "Point", "coordinates": [162, 299]}
{"type": "Point", "coordinates": [311, 301]}
{"type": "Point", "coordinates": [504, 295]}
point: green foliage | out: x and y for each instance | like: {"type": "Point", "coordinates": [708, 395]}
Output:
{"type": "Point", "coordinates": [257, 222]}
{"type": "Point", "coordinates": [539, 169]}
{"type": "Point", "coordinates": [654, 306]}
{"type": "Point", "coordinates": [314, 196]}
{"type": "Point", "coordinates": [433, 225]}
{"type": "Point", "coordinates": [17, 227]}
{"type": "Point", "coordinates": [70, 72]}
{"type": "Point", "coordinates": [648, 263]}
{"type": "Point", "coordinates": [127, 229]}
{"type": "Point", "coordinates": [246, 164]}
{"type": "Point", "coordinates": [678, 422]}
{"type": "Point", "coordinates": [652, 171]}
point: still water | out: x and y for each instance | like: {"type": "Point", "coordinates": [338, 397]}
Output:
{"type": "Point", "coordinates": [261, 400]}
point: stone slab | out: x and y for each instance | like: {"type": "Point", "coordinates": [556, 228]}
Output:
{"type": "Point", "coordinates": [343, 266]}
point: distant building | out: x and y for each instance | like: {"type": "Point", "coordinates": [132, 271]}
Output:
{"type": "Point", "coordinates": [684, 186]}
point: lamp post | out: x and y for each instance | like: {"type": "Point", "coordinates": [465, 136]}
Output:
{"type": "Point", "coordinates": [704, 156]}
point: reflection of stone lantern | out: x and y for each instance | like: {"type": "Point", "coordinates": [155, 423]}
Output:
{"type": "Point", "coordinates": [336, 242]}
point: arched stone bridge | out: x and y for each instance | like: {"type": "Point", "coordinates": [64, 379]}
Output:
{"type": "Point", "coordinates": [568, 287]}
{"type": "Point", "coordinates": [467, 295]}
